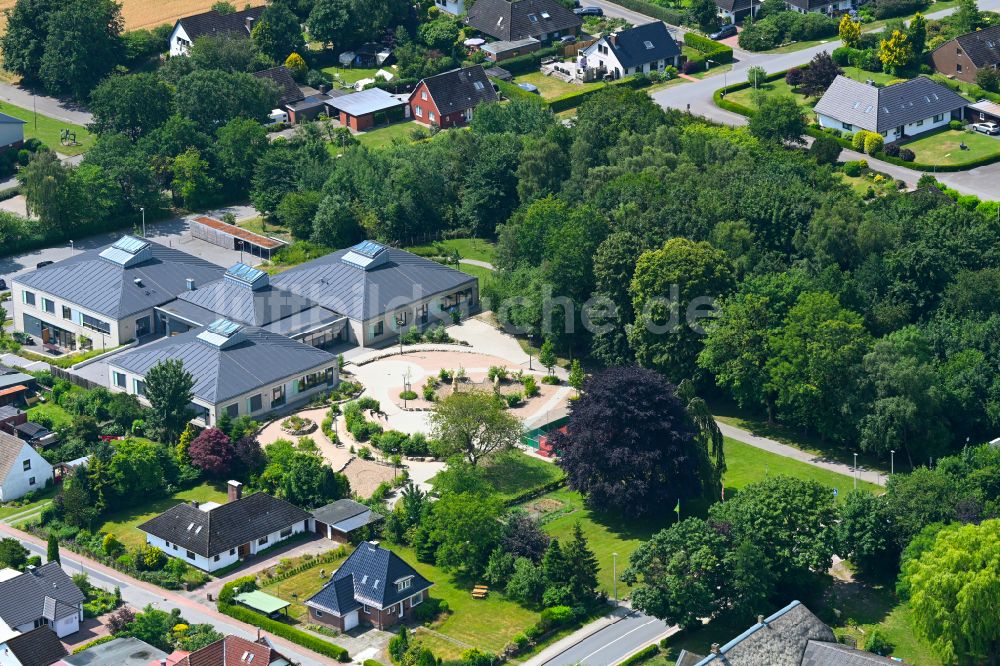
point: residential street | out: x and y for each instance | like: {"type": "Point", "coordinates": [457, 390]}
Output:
{"type": "Point", "coordinates": [47, 106]}
{"type": "Point", "coordinates": [613, 642]}
{"type": "Point", "coordinates": [138, 595]}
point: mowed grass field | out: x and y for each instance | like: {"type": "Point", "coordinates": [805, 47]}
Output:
{"type": "Point", "coordinates": [149, 14]}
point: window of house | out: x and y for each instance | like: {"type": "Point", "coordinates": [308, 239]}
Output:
{"type": "Point", "coordinates": [278, 396]}
{"type": "Point", "coordinates": [378, 328]}
{"type": "Point", "coordinates": [261, 541]}
{"type": "Point", "coordinates": [958, 67]}
{"type": "Point", "coordinates": [232, 551]}
{"type": "Point", "coordinates": [96, 324]}
{"type": "Point", "coordinates": [31, 481]}
{"type": "Point", "coordinates": [286, 533]}
{"type": "Point", "coordinates": [847, 126]}
{"type": "Point", "coordinates": [939, 117]}
{"type": "Point", "coordinates": [419, 112]}
{"type": "Point", "coordinates": [67, 313]}
{"type": "Point", "coordinates": [422, 313]}
{"type": "Point", "coordinates": [233, 410]}
{"type": "Point", "coordinates": [119, 379]}
{"type": "Point", "coordinates": [138, 387]}
{"type": "Point", "coordinates": [255, 403]}
{"type": "Point", "coordinates": [533, 18]}
{"type": "Point", "coordinates": [368, 611]}
{"type": "Point", "coordinates": [404, 584]}
{"type": "Point", "coordinates": [174, 546]}
{"type": "Point", "coordinates": [319, 613]}
{"type": "Point", "coordinates": [28, 297]}
{"type": "Point", "coordinates": [431, 117]}
{"type": "Point", "coordinates": [27, 465]}
{"type": "Point", "coordinates": [423, 95]}
{"type": "Point", "coordinates": [215, 559]}
{"type": "Point", "coordinates": [48, 305]}
{"type": "Point", "coordinates": [919, 123]}
{"type": "Point", "coordinates": [401, 318]}
{"type": "Point", "coordinates": [417, 599]}
{"type": "Point", "coordinates": [190, 555]}
{"type": "Point", "coordinates": [478, 85]}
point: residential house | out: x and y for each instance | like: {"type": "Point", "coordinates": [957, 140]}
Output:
{"type": "Point", "coordinates": [964, 56]}
{"type": "Point", "coordinates": [213, 536]}
{"type": "Point", "coordinates": [299, 106]}
{"type": "Point", "coordinates": [791, 637]}
{"type": "Point", "coordinates": [22, 468]}
{"type": "Point", "coordinates": [734, 11]}
{"type": "Point", "coordinates": [104, 297]}
{"type": "Point", "coordinates": [232, 651]}
{"type": "Point", "coordinates": [342, 520]}
{"type": "Point", "coordinates": [382, 290]}
{"type": "Point", "coordinates": [447, 99]}
{"type": "Point", "coordinates": [500, 51]}
{"type": "Point", "coordinates": [508, 20]}
{"type": "Point", "coordinates": [126, 651]}
{"type": "Point", "coordinates": [11, 133]}
{"type": "Point", "coordinates": [373, 586]}
{"type": "Point", "coordinates": [237, 369]}
{"type": "Point", "coordinates": [211, 23]}
{"type": "Point", "coordinates": [453, 7]}
{"type": "Point", "coordinates": [824, 6]}
{"type": "Point", "coordinates": [896, 111]}
{"type": "Point", "coordinates": [366, 109]}
{"type": "Point", "coordinates": [642, 49]}
{"type": "Point", "coordinates": [38, 647]}
{"type": "Point", "coordinates": [41, 596]}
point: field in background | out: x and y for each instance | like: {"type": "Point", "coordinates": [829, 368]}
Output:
{"type": "Point", "coordinates": [146, 14]}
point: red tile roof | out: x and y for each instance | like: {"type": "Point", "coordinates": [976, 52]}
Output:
{"type": "Point", "coordinates": [231, 651]}
{"type": "Point", "coordinates": [238, 232]}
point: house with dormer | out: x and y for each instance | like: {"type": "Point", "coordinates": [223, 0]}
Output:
{"type": "Point", "coordinates": [373, 587]}
{"type": "Point", "coordinates": [238, 25]}
{"type": "Point", "coordinates": [41, 596]}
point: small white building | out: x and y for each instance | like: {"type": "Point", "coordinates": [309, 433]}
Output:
{"type": "Point", "coordinates": [22, 469]}
{"type": "Point", "coordinates": [896, 112]}
{"type": "Point", "coordinates": [212, 23]}
{"type": "Point", "coordinates": [11, 132]}
{"type": "Point", "coordinates": [213, 536]}
{"type": "Point", "coordinates": [642, 49]}
{"type": "Point", "coordinates": [454, 7]}
{"type": "Point", "coordinates": [42, 595]}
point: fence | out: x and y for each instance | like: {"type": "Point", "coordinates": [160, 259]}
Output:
{"type": "Point", "coordinates": [82, 382]}
{"type": "Point", "coordinates": [531, 437]}
{"type": "Point", "coordinates": [574, 48]}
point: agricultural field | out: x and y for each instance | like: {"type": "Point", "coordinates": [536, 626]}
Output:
{"type": "Point", "coordinates": [146, 14]}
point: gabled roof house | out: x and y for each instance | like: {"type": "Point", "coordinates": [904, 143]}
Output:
{"type": "Point", "coordinates": [508, 20]}
{"type": "Point", "coordinates": [212, 536]}
{"type": "Point", "coordinates": [644, 48]}
{"type": "Point", "coordinates": [124, 651]}
{"type": "Point", "coordinates": [38, 647]}
{"type": "Point", "coordinates": [235, 651]}
{"type": "Point", "coordinates": [22, 468]}
{"type": "Point", "coordinates": [42, 595]}
{"type": "Point", "coordinates": [373, 586]}
{"type": "Point", "coordinates": [448, 99]}
{"type": "Point", "coordinates": [964, 56]}
{"type": "Point", "coordinates": [211, 23]}
{"type": "Point", "coordinates": [896, 111]}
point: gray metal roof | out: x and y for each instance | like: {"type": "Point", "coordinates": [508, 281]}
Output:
{"type": "Point", "coordinates": [341, 510]}
{"type": "Point", "coordinates": [118, 652]}
{"type": "Point", "coordinates": [365, 102]}
{"type": "Point", "coordinates": [256, 358]}
{"type": "Point", "coordinates": [108, 288]}
{"type": "Point", "coordinates": [234, 300]}
{"type": "Point", "coordinates": [880, 109]}
{"type": "Point", "coordinates": [29, 596]}
{"type": "Point", "coordinates": [364, 294]}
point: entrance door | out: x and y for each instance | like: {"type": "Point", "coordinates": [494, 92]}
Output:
{"type": "Point", "coordinates": [244, 551]}
{"type": "Point", "coordinates": [142, 327]}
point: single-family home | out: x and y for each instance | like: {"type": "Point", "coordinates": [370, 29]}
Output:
{"type": "Point", "coordinates": [382, 290]}
{"type": "Point", "coordinates": [125, 651]}
{"type": "Point", "coordinates": [448, 99]}
{"type": "Point", "coordinates": [642, 49]}
{"type": "Point", "coordinates": [211, 23]}
{"type": "Point", "coordinates": [734, 11]}
{"type": "Point", "coordinates": [373, 586]}
{"type": "Point", "coordinates": [342, 520]}
{"type": "Point", "coordinates": [823, 6]}
{"type": "Point", "coordinates": [237, 370]}
{"type": "Point", "coordinates": [38, 647]}
{"type": "Point", "coordinates": [453, 7]}
{"type": "Point", "coordinates": [500, 51]}
{"type": "Point", "coordinates": [299, 106]}
{"type": "Point", "coordinates": [896, 111]}
{"type": "Point", "coordinates": [213, 536]}
{"type": "Point", "coordinates": [106, 296]}
{"type": "Point", "coordinates": [509, 20]}
{"type": "Point", "coordinates": [964, 56]}
{"type": "Point", "coordinates": [791, 637]}
{"type": "Point", "coordinates": [41, 596]}
{"type": "Point", "coordinates": [366, 109]}
{"type": "Point", "coordinates": [22, 468]}
{"type": "Point", "coordinates": [232, 651]}
{"type": "Point", "coordinates": [11, 133]}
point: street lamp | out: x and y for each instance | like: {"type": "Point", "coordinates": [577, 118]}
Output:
{"type": "Point", "coordinates": [892, 461]}
{"type": "Point", "coordinates": [725, 77]}
{"type": "Point", "coordinates": [71, 245]}
{"type": "Point", "coordinates": [143, 211]}
{"type": "Point", "coordinates": [614, 565]}
{"type": "Point", "coordinates": [855, 471]}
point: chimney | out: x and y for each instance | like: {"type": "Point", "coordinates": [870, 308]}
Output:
{"type": "Point", "coordinates": [138, 282]}
{"type": "Point", "coordinates": [163, 661]}
{"type": "Point", "coordinates": [323, 88]}
{"type": "Point", "coordinates": [235, 490]}
{"type": "Point", "coordinates": [613, 38]}
{"type": "Point", "coordinates": [190, 284]}
{"type": "Point", "coordinates": [715, 649]}
{"type": "Point", "coordinates": [249, 24]}
{"type": "Point", "coordinates": [195, 503]}
{"type": "Point", "coordinates": [760, 619]}
{"type": "Point", "coordinates": [31, 569]}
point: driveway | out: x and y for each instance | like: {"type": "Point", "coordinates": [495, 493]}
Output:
{"type": "Point", "coordinates": [45, 105]}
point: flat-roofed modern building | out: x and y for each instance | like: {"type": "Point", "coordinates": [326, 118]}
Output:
{"type": "Point", "coordinates": [381, 290]}
{"type": "Point", "coordinates": [237, 370]}
{"type": "Point", "coordinates": [104, 297]}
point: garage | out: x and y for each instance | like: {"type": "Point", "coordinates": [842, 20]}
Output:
{"type": "Point", "coordinates": [351, 620]}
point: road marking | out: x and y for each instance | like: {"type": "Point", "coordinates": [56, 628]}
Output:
{"type": "Point", "coordinates": [603, 647]}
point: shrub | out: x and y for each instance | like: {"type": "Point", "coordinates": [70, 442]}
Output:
{"type": "Point", "coordinates": [844, 55]}
{"type": "Point", "coordinates": [873, 143]}
{"type": "Point", "coordinates": [891, 149]}
{"type": "Point", "coordinates": [956, 124]}
{"type": "Point", "coordinates": [408, 395]}
{"type": "Point", "coordinates": [878, 643]}
{"type": "Point", "coordinates": [229, 591]}
{"type": "Point", "coordinates": [555, 617]}
{"type": "Point", "coordinates": [907, 155]}
{"type": "Point", "coordinates": [825, 150]}
{"type": "Point", "coordinates": [551, 380]}
{"type": "Point", "coordinates": [858, 141]}
{"type": "Point", "coordinates": [530, 387]}
{"type": "Point", "coordinates": [642, 655]}
{"type": "Point", "coordinates": [521, 641]}
{"type": "Point", "coordinates": [429, 390]}
{"type": "Point", "coordinates": [513, 399]}
{"type": "Point", "coordinates": [853, 168]}
{"type": "Point", "coordinates": [793, 77]}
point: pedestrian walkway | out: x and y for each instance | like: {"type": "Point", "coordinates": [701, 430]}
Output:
{"type": "Point", "coordinates": [740, 435]}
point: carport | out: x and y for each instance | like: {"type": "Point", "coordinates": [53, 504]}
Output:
{"type": "Point", "coordinates": [263, 603]}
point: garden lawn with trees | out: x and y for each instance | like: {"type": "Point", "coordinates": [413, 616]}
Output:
{"type": "Point", "coordinates": [124, 523]}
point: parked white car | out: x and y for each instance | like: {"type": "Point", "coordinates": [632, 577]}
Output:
{"type": "Point", "coordinates": [986, 128]}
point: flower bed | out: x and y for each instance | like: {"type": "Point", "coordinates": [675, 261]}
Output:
{"type": "Point", "coordinates": [297, 425]}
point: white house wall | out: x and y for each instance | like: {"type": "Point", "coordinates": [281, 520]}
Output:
{"type": "Point", "coordinates": [17, 484]}
{"type": "Point", "coordinates": [226, 558]}
{"type": "Point", "coordinates": [11, 133]}
{"type": "Point", "coordinates": [456, 7]}
{"type": "Point", "coordinates": [179, 41]}
{"type": "Point", "coordinates": [911, 129]}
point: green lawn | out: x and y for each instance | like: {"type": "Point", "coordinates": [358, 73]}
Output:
{"type": "Point", "coordinates": [385, 135]}
{"type": "Point", "coordinates": [259, 226]}
{"type": "Point", "coordinates": [47, 130]}
{"type": "Point", "coordinates": [301, 586]}
{"type": "Point", "coordinates": [123, 523]}
{"type": "Point", "coordinates": [485, 275]}
{"type": "Point", "coordinates": [779, 87]}
{"type": "Point", "coordinates": [488, 623]}
{"type": "Point", "coordinates": [518, 472]}
{"type": "Point", "coordinates": [896, 624]}
{"type": "Point", "coordinates": [549, 87]}
{"type": "Point", "coordinates": [350, 75]}
{"type": "Point", "coordinates": [467, 248]}
{"type": "Point", "coordinates": [13, 508]}
{"type": "Point", "coordinates": [50, 412]}
{"type": "Point", "coordinates": [942, 146]}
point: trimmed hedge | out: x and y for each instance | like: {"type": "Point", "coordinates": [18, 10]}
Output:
{"type": "Point", "coordinates": [643, 655]}
{"type": "Point", "coordinates": [710, 49]}
{"type": "Point", "coordinates": [513, 91]}
{"type": "Point", "coordinates": [575, 99]}
{"type": "Point", "coordinates": [529, 62]}
{"type": "Point", "coordinates": [287, 632]}
{"type": "Point", "coordinates": [672, 16]}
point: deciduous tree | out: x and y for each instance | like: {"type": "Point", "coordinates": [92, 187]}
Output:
{"type": "Point", "coordinates": [475, 425]}
{"type": "Point", "coordinates": [83, 44]}
{"type": "Point", "coordinates": [278, 33]}
{"type": "Point", "coordinates": [131, 104]}
{"type": "Point", "coordinates": [212, 452]}
{"type": "Point", "coordinates": [850, 31]}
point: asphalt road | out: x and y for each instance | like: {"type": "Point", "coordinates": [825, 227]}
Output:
{"type": "Point", "coordinates": [614, 642]}
{"type": "Point", "coordinates": [45, 105]}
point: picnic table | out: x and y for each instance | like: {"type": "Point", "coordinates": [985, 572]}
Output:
{"type": "Point", "coordinates": [480, 592]}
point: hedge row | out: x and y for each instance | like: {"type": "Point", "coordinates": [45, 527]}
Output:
{"type": "Point", "coordinates": [575, 99]}
{"type": "Point", "coordinates": [710, 49]}
{"type": "Point", "coordinates": [529, 62]}
{"type": "Point", "coordinates": [287, 632]}
{"type": "Point", "coordinates": [537, 491]}
{"type": "Point", "coordinates": [512, 91]}
{"type": "Point", "coordinates": [325, 558]}
{"type": "Point", "coordinates": [671, 16]}
{"type": "Point", "coordinates": [642, 655]}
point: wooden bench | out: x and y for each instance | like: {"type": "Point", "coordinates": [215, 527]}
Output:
{"type": "Point", "coordinates": [480, 592]}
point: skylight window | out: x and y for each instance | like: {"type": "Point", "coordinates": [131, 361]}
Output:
{"type": "Point", "coordinates": [499, 20]}
{"type": "Point", "coordinates": [190, 527]}
{"type": "Point", "coordinates": [857, 105]}
{"type": "Point", "coordinates": [533, 18]}
{"type": "Point", "coordinates": [546, 15]}
{"type": "Point", "coordinates": [869, 109]}
{"type": "Point", "coordinates": [478, 85]}
{"type": "Point", "coordinates": [649, 44]}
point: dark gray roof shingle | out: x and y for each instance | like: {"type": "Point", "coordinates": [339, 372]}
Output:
{"type": "Point", "coordinates": [258, 359]}
{"type": "Point", "coordinates": [27, 597]}
{"type": "Point", "coordinates": [460, 89]}
{"type": "Point", "coordinates": [820, 653]}
{"type": "Point", "coordinates": [373, 572]}
{"type": "Point", "coordinates": [982, 46]}
{"type": "Point", "coordinates": [38, 647]}
{"type": "Point", "coordinates": [214, 23]}
{"type": "Point", "coordinates": [230, 525]}
{"type": "Point", "coordinates": [288, 89]}
{"type": "Point", "coordinates": [95, 283]}
{"type": "Point", "coordinates": [362, 295]}
{"type": "Point", "coordinates": [525, 18]}
{"type": "Point", "coordinates": [642, 44]}
{"type": "Point", "coordinates": [341, 510]}
{"type": "Point", "coordinates": [881, 109]}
